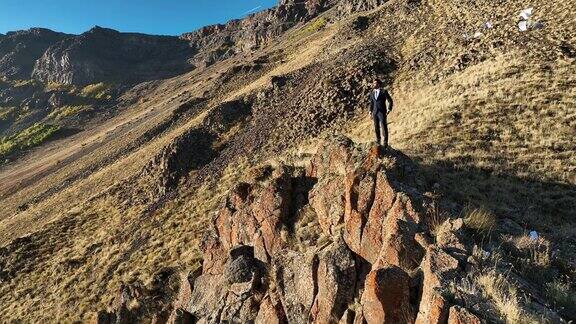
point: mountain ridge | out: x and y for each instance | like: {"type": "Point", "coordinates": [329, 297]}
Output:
{"type": "Point", "coordinates": [138, 213]}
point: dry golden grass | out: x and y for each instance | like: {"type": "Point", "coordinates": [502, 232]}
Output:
{"type": "Point", "coordinates": [108, 239]}
{"type": "Point", "coordinates": [479, 219]}
{"type": "Point", "coordinates": [499, 131]}
{"type": "Point", "coordinates": [505, 296]}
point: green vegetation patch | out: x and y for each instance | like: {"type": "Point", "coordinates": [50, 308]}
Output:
{"type": "Point", "coordinates": [55, 86]}
{"type": "Point", "coordinates": [30, 137]}
{"type": "Point", "coordinates": [68, 111]}
{"type": "Point", "coordinates": [316, 25]}
{"type": "Point", "coordinates": [98, 91]}
{"type": "Point", "coordinates": [309, 29]}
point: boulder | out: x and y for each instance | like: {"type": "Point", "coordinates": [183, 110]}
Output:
{"type": "Point", "coordinates": [336, 279]}
{"type": "Point", "coordinates": [438, 268]}
{"type": "Point", "coordinates": [241, 269]}
{"type": "Point", "coordinates": [296, 275]}
{"type": "Point", "coordinates": [386, 297]}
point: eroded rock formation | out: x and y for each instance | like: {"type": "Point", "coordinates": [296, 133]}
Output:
{"type": "Point", "coordinates": [373, 259]}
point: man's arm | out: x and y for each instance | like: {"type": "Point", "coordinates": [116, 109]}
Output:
{"type": "Point", "coordinates": [390, 104]}
{"type": "Point", "coordinates": [370, 104]}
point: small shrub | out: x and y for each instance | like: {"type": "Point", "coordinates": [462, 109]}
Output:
{"type": "Point", "coordinates": [311, 28]}
{"type": "Point", "coordinates": [479, 219]}
{"type": "Point", "coordinates": [55, 86]}
{"type": "Point", "coordinates": [505, 296]}
{"type": "Point", "coordinates": [7, 113]}
{"type": "Point", "coordinates": [316, 25]}
{"type": "Point", "coordinates": [437, 219]}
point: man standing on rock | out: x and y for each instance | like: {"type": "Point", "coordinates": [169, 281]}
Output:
{"type": "Point", "coordinates": [380, 106]}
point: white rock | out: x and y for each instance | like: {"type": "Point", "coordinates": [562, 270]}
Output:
{"type": "Point", "coordinates": [526, 13]}
{"type": "Point", "coordinates": [523, 25]}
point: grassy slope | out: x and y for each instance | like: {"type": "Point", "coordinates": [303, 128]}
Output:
{"type": "Point", "coordinates": [493, 121]}
{"type": "Point", "coordinates": [496, 134]}
{"type": "Point", "coordinates": [499, 131]}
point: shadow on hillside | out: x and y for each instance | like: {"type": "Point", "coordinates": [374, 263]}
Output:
{"type": "Point", "coordinates": [65, 132]}
{"type": "Point", "coordinates": [547, 207]}
{"type": "Point", "coordinates": [541, 205]}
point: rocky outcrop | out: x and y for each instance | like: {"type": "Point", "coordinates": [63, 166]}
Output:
{"type": "Point", "coordinates": [19, 51]}
{"type": "Point", "coordinates": [217, 42]}
{"type": "Point", "coordinates": [190, 150]}
{"type": "Point", "coordinates": [105, 55]}
{"type": "Point", "coordinates": [375, 261]}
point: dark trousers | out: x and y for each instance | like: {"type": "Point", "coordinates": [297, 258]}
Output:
{"type": "Point", "coordinates": [381, 128]}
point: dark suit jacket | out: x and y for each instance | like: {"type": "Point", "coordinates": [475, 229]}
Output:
{"type": "Point", "coordinates": [378, 105]}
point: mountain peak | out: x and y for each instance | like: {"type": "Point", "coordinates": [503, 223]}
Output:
{"type": "Point", "coordinates": [101, 30]}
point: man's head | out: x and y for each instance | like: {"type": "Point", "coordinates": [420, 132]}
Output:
{"type": "Point", "coordinates": [376, 84]}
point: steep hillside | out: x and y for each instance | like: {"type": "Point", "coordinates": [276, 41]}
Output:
{"type": "Point", "coordinates": [107, 218]}
{"type": "Point", "coordinates": [217, 42]}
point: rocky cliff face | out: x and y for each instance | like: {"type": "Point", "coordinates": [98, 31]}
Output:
{"type": "Point", "coordinates": [107, 55]}
{"type": "Point", "coordinates": [217, 42]}
{"type": "Point", "coordinates": [348, 239]}
{"type": "Point", "coordinates": [20, 50]}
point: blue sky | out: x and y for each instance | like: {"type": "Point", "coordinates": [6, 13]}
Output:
{"type": "Point", "coordinates": [162, 17]}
